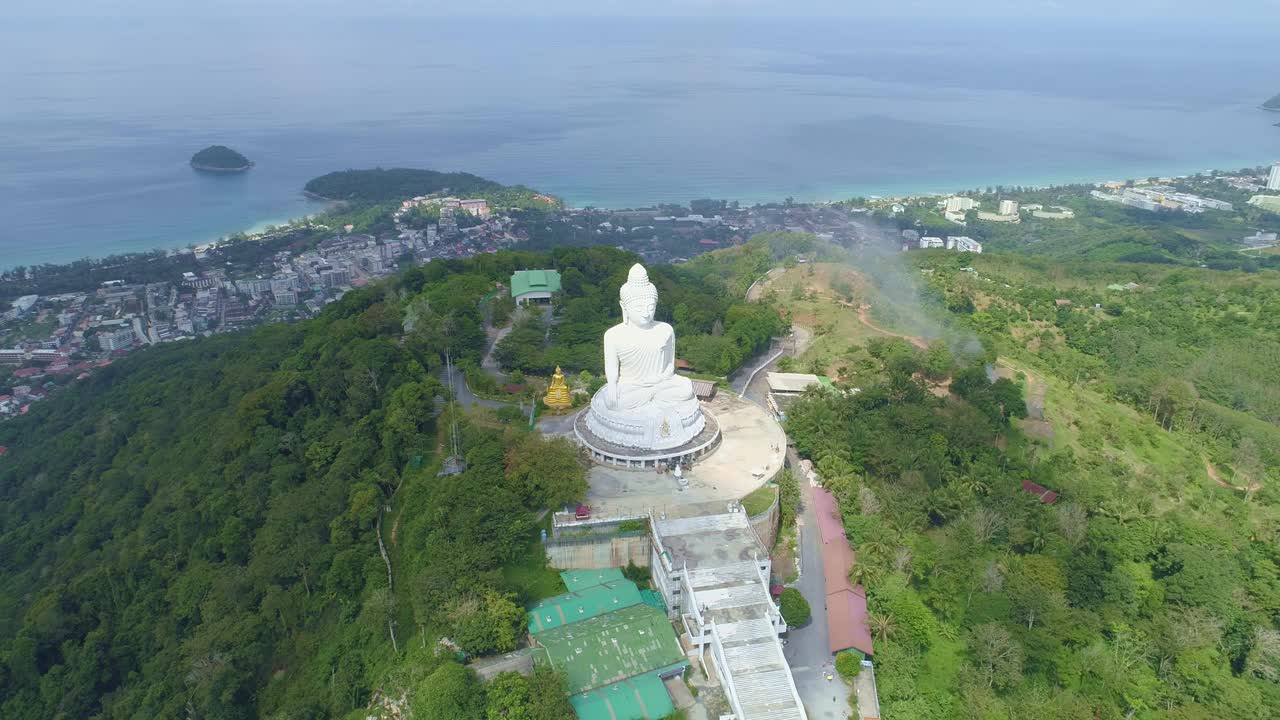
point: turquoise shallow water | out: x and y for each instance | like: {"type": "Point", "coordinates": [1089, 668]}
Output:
{"type": "Point", "coordinates": [98, 119]}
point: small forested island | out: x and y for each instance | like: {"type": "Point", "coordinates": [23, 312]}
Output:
{"type": "Point", "coordinates": [220, 158]}
{"type": "Point", "coordinates": [1273, 104]}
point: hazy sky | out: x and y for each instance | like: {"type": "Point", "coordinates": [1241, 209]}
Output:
{"type": "Point", "coordinates": [1096, 10]}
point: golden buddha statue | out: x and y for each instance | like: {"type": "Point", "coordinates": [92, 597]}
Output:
{"type": "Point", "coordinates": [558, 397]}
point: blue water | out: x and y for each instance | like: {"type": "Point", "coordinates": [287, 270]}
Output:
{"type": "Point", "coordinates": [98, 118]}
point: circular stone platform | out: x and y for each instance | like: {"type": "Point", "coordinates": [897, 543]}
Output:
{"type": "Point", "coordinates": [750, 453]}
{"type": "Point", "coordinates": [607, 453]}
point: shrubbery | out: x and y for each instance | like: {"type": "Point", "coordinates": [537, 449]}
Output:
{"type": "Point", "coordinates": [848, 664]}
{"type": "Point", "coordinates": [794, 608]}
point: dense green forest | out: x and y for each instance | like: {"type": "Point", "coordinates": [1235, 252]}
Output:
{"type": "Point", "coordinates": [717, 330]}
{"type": "Point", "coordinates": [195, 531]}
{"type": "Point", "coordinates": [220, 157]}
{"type": "Point", "coordinates": [379, 185]}
{"type": "Point", "coordinates": [1135, 595]}
{"type": "Point", "coordinates": [1150, 587]}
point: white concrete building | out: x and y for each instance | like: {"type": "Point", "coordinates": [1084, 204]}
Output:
{"type": "Point", "coordinates": [477, 208]}
{"type": "Point", "coordinates": [964, 244]}
{"type": "Point", "coordinates": [713, 572]}
{"type": "Point", "coordinates": [959, 204]}
{"type": "Point", "coordinates": [1273, 180]}
{"type": "Point", "coordinates": [116, 339]}
{"type": "Point", "coordinates": [931, 242]}
{"type": "Point", "coordinates": [1008, 207]}
{"type": "Point", "coordinates": [997, 217]}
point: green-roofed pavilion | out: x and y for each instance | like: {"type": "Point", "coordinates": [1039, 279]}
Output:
{"type": "Point", "coordinates": [576, 607]}
{"type": "Point", "coordinates": [579, 580]}
{"type": "Point", "coordinates": [639, 698]}
{"type": "Point", "coordinates": [534, 285]}
{"type": "Point", "coordinates": [613, 647]}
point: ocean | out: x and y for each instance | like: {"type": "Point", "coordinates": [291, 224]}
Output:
{"type": "Point", "coordinates": [99, 118]}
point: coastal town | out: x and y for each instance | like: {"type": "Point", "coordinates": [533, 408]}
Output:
{"type": "Point", "coordinates": [47, 341]}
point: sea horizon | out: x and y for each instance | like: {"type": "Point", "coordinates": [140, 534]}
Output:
{"type": "Point", "coordinates": [94, 144]}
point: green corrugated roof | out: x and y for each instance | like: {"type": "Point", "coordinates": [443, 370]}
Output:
{"type": "Point", "coordinates": [613, 647]}
{"type": "Point", "coordinates": [578, 606]}
{"type": "Point", "coordinates": [527, 281]}
{"type": "Point", "coordinates": [653, 599]}
{"type": "Point", "coordinates": [579, 580]}
{"type": "Point", "coordinates": [640, 698]}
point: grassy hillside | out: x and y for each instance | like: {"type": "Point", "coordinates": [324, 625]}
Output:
{"type": "Point", "coordinates": [1151, 588]}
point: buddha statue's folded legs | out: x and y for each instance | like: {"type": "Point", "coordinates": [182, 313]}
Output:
{"type": "Point", "coordinates": [676, 390]}
{"type": "Point", "coordinates": [646, 417]}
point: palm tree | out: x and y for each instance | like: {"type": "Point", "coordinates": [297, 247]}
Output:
{"type": "Point", "coordinates": [864, 574]}
{"type": "Point", "coordinates": [974, 485]}
{"type": "Point", "coordinates": [881, 625]}
{"type": "Point", "coordinates": [873, 549]}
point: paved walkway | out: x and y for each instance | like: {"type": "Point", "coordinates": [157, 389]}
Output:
{"type": "Point", "coordinates": [465, 397]}
{"type": "Point", "coordinates": [752, 441]}
{"type": "Point", "coordinates": [865, 687]}
{"type": "Point", "coordinates": [749, 381]}
{"type": "Point", "coordinates": [807, 649]}
{"type": "Point", "coordinates": [489, 364]}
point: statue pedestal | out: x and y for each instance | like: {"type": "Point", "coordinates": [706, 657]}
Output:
{"type": "Point", "coordinates": [613, 454]}
{"type": "Point", "coordinates": [654, 426]}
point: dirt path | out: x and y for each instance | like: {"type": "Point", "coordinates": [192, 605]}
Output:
{"type": "Point", "coordinates": [488, 363]}
{"type": "Point", "coordinates": [865, 319]}
{"type": "Point", "coordinates": [1214, 476]}
{"type": "Point", "coordinates": [756, 291]}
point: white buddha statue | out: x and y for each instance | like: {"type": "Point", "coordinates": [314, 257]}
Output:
{"type": "Point", "coordinates": [644, 403]}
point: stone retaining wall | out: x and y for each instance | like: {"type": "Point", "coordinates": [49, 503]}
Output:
{"type": "Point", "coordinates": [766, 523]}
{"type": "Point", "coordinates": [598, 552]}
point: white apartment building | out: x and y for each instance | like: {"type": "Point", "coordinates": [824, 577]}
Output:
{"type": "Point", "coordinates": [1008, 207]}
{"type": "Point", "coordinates": [1273, 180]}
{"type": "Point", "coordinates": [960, 243]}
{"type": "Point", "coordinates": [283, 283]}
{"type": "Point", "coordinates": [959, 204]}
{"type": "Point", "coordinates": [931, 242]}
{"type": "Point", "coordinates": [713, 572]}
{"type": "Point", "coordinates": [120, 339]}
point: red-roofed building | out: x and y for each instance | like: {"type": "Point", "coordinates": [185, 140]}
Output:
{"type": "Point", "coordinates": [1046, 495]}
{"type": "Point", "coordinates": [846, 602]}
{"type": "Point", "coordinates": [28, 372]}
{"type": "Point", "coordinates": [847, 622]}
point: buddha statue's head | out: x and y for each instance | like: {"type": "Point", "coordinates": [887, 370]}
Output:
{"type": "Point", "coordinates": [638, 297]}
